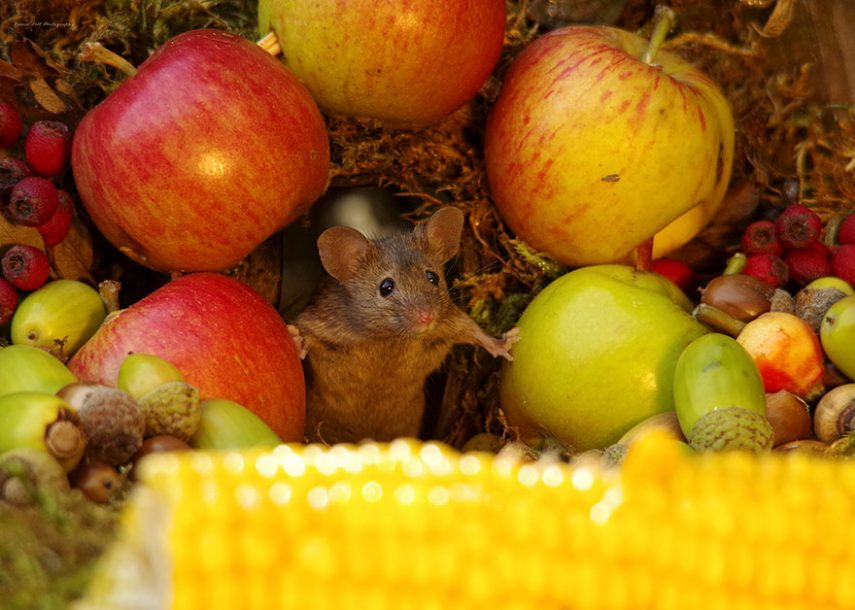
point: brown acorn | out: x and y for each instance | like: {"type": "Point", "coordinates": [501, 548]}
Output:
{"type": "Point", "coordinates": [110, 418]}
{"type": "Point", "coordinates": [742, 296]}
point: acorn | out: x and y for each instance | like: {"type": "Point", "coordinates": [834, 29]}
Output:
{"type": "Point", "coordinates": [42, 421]}
{"type": "Point", "coordinates": [161, 443]}
{"type": "Point", "coordinates": [782, 301]}
{"type": "Point", "coordinates": [789, 417]}
{"type": "Point", "coordinates": [58, 317]}
{"type": "Point", "coordinates": [811, 446]}
{"type": "Point", "coordinates": [226, 424]}
{"type": "Point", "coordinates": [172, 408]}
{"type": "Point", "coordinates": [834, 415]}
{"type": "Point", "coordinates": [139, 374]}
{"type": "Point", "coordinates": [666, 423]}
{"type": "Point", "coordinates": [99, 481]}
{"type": "Point", "coordinates": [24, 368]}
{"type": "Point", "coordinates": [26, 471]}
{"type": "Point", "coordinates": [812, 304]}
{"type": "Point", "coordinates": [169, 404]}
{"type": "Point", "coordinates": [741, 296]}
{"type": "Point", "coordinates": [111, 419]}
{"type": "Point", "coordinates": [719, 396]}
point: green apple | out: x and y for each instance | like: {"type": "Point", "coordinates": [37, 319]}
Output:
{"type": "Point", "coordinates": [597, 353]}
{"type": "Point", "coordinates": [837, 334]}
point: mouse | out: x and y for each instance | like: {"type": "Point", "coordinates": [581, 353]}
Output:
{"type": "Point", "coordinates": [381, 321]}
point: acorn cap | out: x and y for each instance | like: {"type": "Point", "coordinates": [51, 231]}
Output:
{"type": "Point", "coordinates": [812, 303]}
{"type": "Point", "coordinates": [731, 428]}
{"type": "Point", "coordinates": [111, 419]}
{"type": "Point", "coordinates": [173, 408]}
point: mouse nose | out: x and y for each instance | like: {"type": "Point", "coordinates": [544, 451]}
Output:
{"type": "Point", "coordinates": [422, 316]}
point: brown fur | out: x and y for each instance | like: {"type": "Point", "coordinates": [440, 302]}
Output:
{"type": "Point", "coordinates": [367, 355]}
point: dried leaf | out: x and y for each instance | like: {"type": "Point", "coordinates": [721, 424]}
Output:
{"type": "Point", "coordinates": [46, 59]}
{"type": "Point", "coordinates": [72, 257]}
{"type": "Point", "coordinates": [65, 88]}
{"type": "Point", "coordinates": [47, 97]}
{"type": "Point", "coordinates": [7, 70]}
{"type": "Point", "coordinates": [11, 233]}
{"type": "Point", "coordinates": [25, 57]}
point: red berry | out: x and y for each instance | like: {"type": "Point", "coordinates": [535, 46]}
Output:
{"type": "Point", "coordinates": [25, 267]}
{"type": "Point", "coordinates": [8, 301]}
{"type": "Point", "coordinates": [768, 268]}
{"type": "Point", "coordinates": [761, 237]}
{"type": "Point", "coordinates": [33, 201]}
{"type": "Point", "coordinates": [808, 264]}
{"type": "Point", "coordinates": [798, 226]}
{"type": "Point", "coordinates": [56, 228]}
{"type": "Point", "coordinates": [677, 271]}
{"type": "Point", "coordinates": [846, 231]}
{"type": "Point", "coordinates": [12, 170]}
{"type": "Point", "coordinates": [47, 147]}
{"type": "Point", "coordinates": [10, 125]}
{"type": "Point", "coordinates": [843, 263]}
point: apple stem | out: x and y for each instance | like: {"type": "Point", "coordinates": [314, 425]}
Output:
{"type": "Point", "coordinates": [109, 292]}
{"type": "Point", "coordinates": [663, 22]}
{"type": "Point", "coordinates": [96, 52]}
{"type": "Point", "coordinates": [270, 43]}
{"type": "Point", "coordinates": [644, 255]}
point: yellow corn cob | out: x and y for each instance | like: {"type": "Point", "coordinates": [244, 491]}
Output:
{"type": "Point", "coordinates": [409, 525]}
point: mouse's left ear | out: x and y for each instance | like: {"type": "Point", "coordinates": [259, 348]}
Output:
{"type": "Point", "coordinates": [443, 231]}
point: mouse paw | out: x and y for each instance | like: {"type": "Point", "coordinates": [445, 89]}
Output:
{"type": "Point", "coordinates": [509, 338]}
{"type": "Point", "coordinates": [299, 341]}
{"type": "Point", "coordinates": [501, 346]}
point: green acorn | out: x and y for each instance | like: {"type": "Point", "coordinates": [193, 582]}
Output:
{"type": "Point", "coordinates": [719, 396]}
{"type": "Point", "coordinates": [139, 374]}
{"type": "Point", "coordinates": [59, 317]}
{"type": "Point", "coordinates": [227, 425]}
{"type": "Point", "coordinates": [172, 408]}
{"type": "Point", "coordinates": [169, 404]}
{"type": "Point", "coordinates": [24, 472]}
{"type": "Point", "coordinates": [24, 368]}
{"type": "Point", "coordinates": [42, 421]}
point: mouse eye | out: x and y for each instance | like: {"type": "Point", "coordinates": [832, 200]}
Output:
{"type": "Point", "coordinates": [386, 287]}
{"type": "Point", "coordinates": [432, 277]}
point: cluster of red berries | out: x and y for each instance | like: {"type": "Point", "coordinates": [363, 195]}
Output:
{"type": "Point", "coordinates": [29, 197]}
{"type": "Point", "coordinates": [788, 249]}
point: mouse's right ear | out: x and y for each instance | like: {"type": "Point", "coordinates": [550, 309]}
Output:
{"type": "Point", "coordinates": [342, 250]}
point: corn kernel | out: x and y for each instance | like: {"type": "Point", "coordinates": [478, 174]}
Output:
{"type": "Point", "coordinates": [416, 525]}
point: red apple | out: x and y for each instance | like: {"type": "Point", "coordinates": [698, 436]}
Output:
{"type": "Point", "coordinates": [590, 150]}
{"type": "Point", "coordinates": [222, 335]}
{"type": "Point", "coordinates": [408, 64]}
{"type": "Point", "coordinates": [208, 150]}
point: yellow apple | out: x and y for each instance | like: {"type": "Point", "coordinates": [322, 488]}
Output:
{"type": "Point", "coordinates": [409, 64]}
{"type": "Point", "coordinates": [590, 150]}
